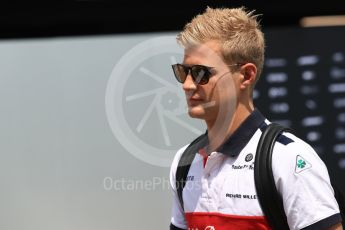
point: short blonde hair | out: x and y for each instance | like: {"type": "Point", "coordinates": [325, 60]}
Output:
{"type": "Point", "coordinates": [237, 30]}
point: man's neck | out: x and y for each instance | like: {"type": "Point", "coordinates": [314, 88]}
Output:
{"type": "Point", "coordinates": [218, 134]}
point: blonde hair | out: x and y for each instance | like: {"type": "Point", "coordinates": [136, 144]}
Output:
{"type": "Point", "coordinates": [237, 30]}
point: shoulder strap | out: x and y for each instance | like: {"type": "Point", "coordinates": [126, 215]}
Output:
{"type": "Point", "coordinates": [269, 198]}
{"type": "Point", "coordinates": [185, 163]}
{"type": "Point", "coordinates": [339, 196]}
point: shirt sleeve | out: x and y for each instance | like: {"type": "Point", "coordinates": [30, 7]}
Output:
{"type": "Point", "coordinates": [303, 181]}
{"type": "Point", "coordinates": [177, 217]}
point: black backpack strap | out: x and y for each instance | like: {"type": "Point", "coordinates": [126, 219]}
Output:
{"type": "Point", "coordinates": [185, 163]}
{"type": "Point", "coordinates": [339, 196]}
{"type": "Point", "coordinates": [270, 200]}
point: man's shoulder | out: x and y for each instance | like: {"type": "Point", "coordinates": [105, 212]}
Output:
{"type": "Point", "coordinates": [193, 146]}
{"type": "Point", "coordinates": [177, 157]}
{"type": "Point", "coordinates": [289, 142]}
{"type": "Point", "coordinates": [295, 154]}
{"type": "Point", "coordinates": [181, 151]}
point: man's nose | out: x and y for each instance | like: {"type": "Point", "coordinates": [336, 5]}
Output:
{"type": "Point", "coordinates": [189, 84]}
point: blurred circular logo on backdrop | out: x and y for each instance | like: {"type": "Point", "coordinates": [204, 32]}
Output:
{"type": "Point", "coordinates": [146, 107]}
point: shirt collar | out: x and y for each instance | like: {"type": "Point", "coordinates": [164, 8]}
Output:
{"type": "Point", "coordinates": [240, 138]}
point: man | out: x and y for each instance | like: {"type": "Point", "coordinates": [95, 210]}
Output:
{"type": "Point", "coordinates": [223, 59]}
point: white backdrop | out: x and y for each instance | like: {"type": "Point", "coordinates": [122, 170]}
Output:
{"type": "Point", "coordinates": [88, 126]}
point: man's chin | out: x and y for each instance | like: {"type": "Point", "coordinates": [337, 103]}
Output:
{"type": "Point", "coordinates": [195, 112]}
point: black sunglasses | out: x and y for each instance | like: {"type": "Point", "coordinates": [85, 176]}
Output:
{"type": "Point", "coordinates": [200, 73]}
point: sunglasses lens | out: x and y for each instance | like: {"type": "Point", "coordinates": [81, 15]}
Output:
{"type": "Point", "coordinates": [180, 73]}
{"type": "Point", "coordinates": [200, 74]}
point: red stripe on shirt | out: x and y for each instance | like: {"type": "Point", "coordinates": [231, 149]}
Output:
{"type": "Point", "coordinates": [203, 153]}
{"type": "Point", "coordinates": [219, 221]}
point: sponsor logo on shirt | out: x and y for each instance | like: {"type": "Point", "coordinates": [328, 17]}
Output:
{"type": "Point", "coordinates": [249, 157]}
{"type": "Point", "coordinates": [241, 196]}
{"type": "Point", "coordinates": [301, 164]}
{"type": "Point", "coordinates": [207, 228]}
{"type": "Point", "coordinates": [190, 178]}
{"type": "Point", "coordinates": [210, 228]}
{"type": "Point", "coordinates": [251, 166]}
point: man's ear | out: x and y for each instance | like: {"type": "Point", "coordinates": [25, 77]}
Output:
{"type": "Point", "coordinates": [248, 72]}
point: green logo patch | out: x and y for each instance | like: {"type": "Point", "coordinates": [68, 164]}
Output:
{"type": "Point", "coordinates": [301, 164]}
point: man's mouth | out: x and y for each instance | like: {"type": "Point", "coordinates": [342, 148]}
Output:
{"type": "Point", "coordinates": [194, 101]}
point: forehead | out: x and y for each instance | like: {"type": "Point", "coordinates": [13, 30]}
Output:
{"type": "Point", "coordinates": [208, 52]}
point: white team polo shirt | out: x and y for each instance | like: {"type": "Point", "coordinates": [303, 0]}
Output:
{"type": "Point", "coordinates": [220, 190]}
